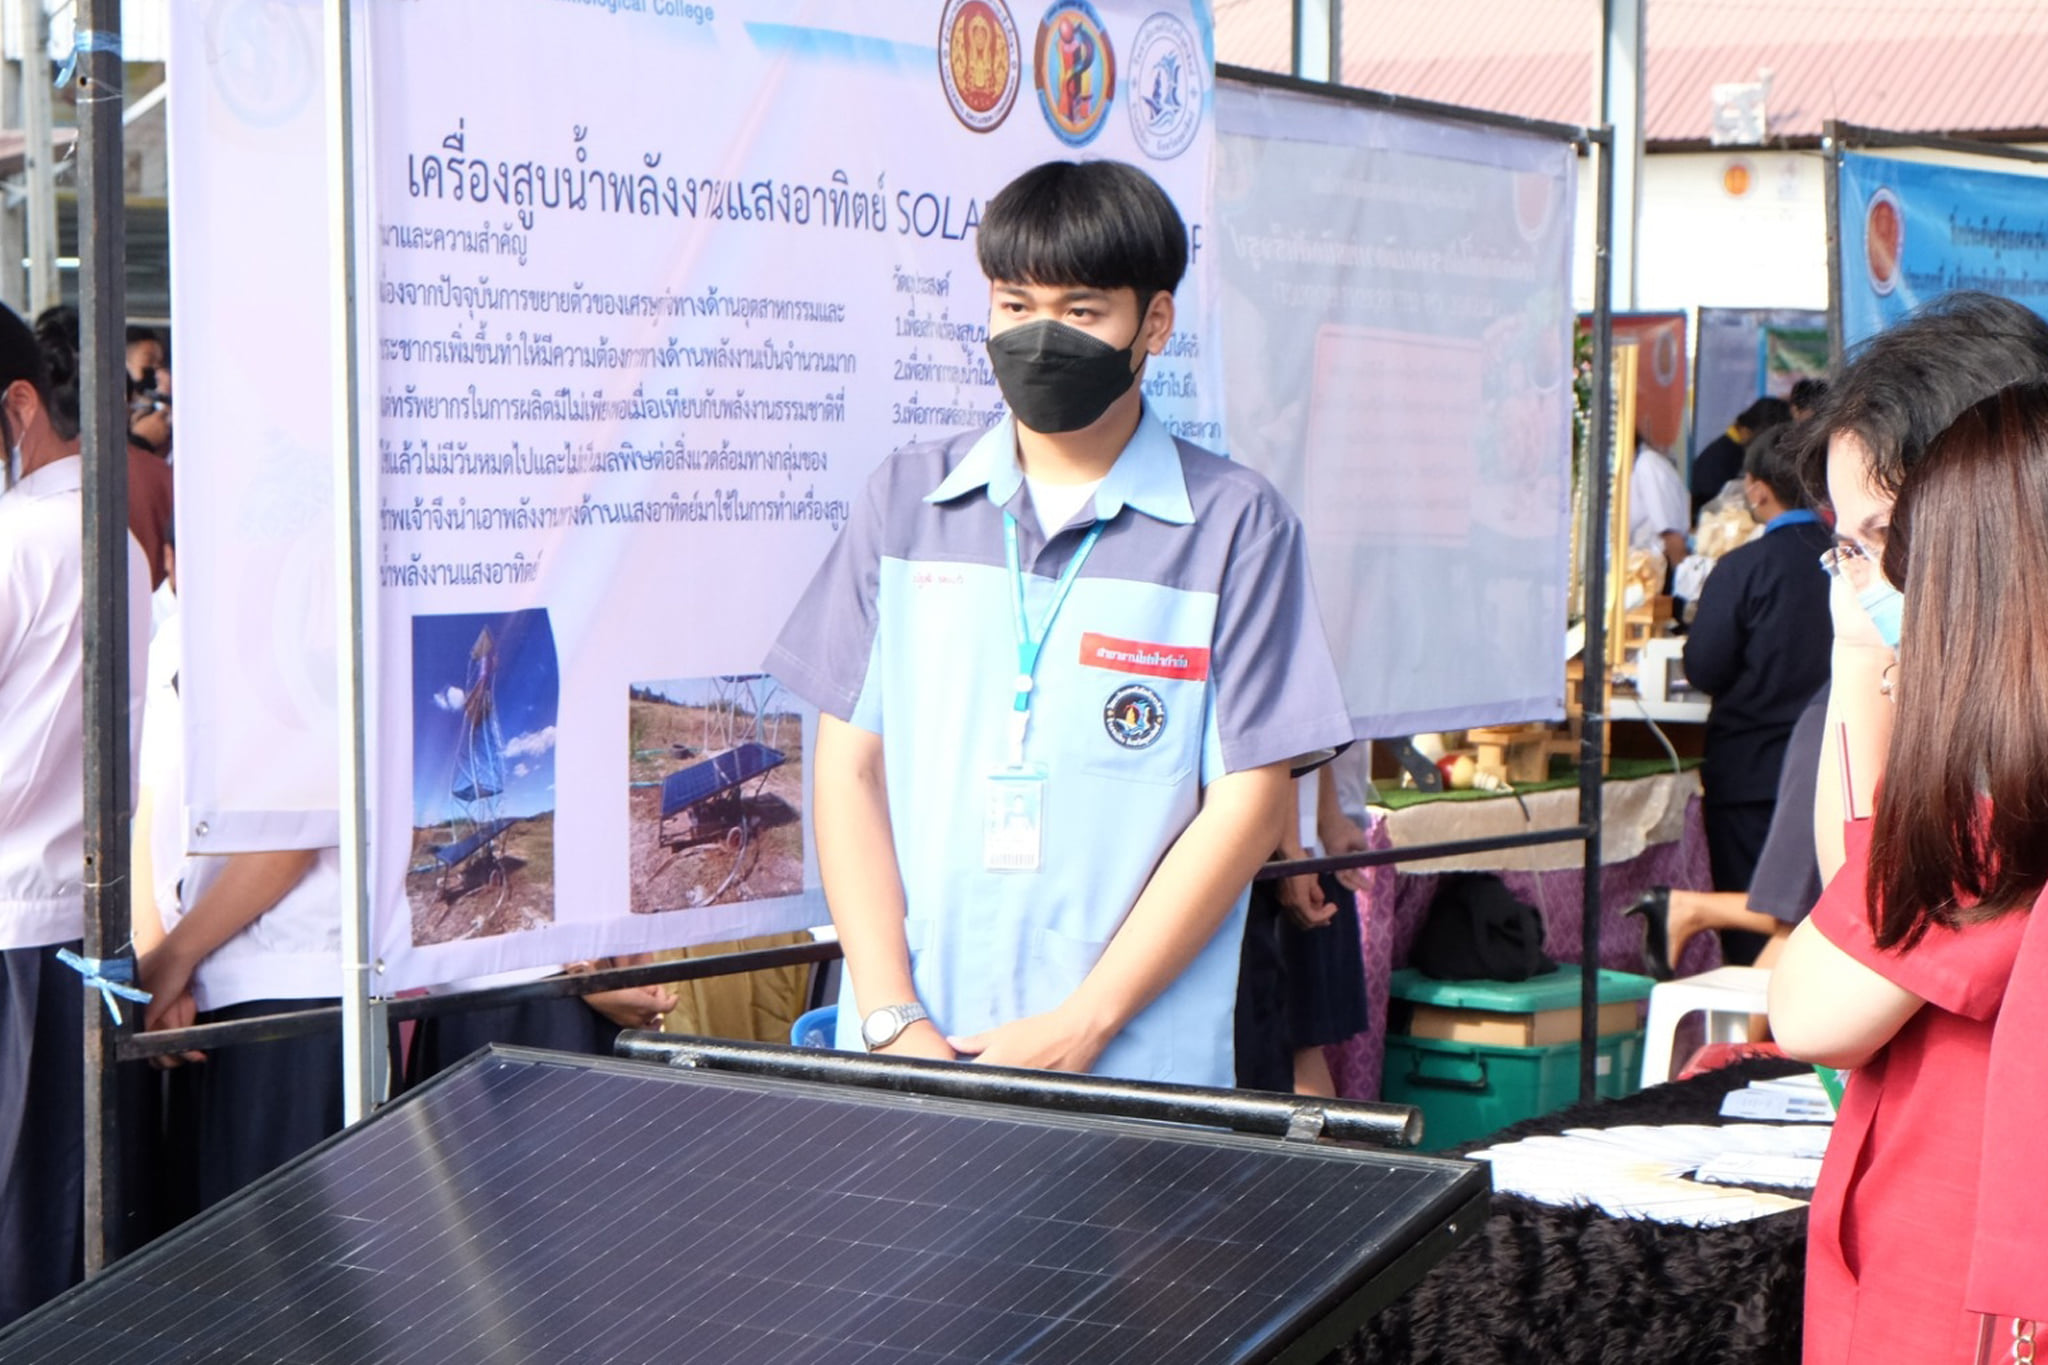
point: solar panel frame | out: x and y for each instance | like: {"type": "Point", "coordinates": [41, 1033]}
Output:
{"type": "Point", "coordinates": [155, 1279]}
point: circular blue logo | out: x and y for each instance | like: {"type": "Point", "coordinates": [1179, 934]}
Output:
{"type": "Point", "coordinates": [1165, 91]}
{"type": "Point", "coordinates": [1134, 716]}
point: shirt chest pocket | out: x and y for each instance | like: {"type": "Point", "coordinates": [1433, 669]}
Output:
{"type": "Point", "coordinates": [1139, 729]}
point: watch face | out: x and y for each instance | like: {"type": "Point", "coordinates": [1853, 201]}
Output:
{"type": "Point", "coordinates": [878, 1028]}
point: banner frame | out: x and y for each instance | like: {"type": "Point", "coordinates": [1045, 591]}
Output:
{"type": "Point", "coordinates": [1593, 735]}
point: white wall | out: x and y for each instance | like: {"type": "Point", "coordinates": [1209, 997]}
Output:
{"type": "Point", "coordinates": [1703, 244]}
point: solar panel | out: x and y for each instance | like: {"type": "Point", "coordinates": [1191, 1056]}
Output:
{"type": "Point", "coordinates": [448, 855]}
{"type": "Point", "coordinates": [687, 786]}
{"type": "Point", "coordinates": [536, 1208]}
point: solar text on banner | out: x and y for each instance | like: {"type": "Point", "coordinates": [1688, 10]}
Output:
{"type": "Point", "coordinates": [657, 285]}
{"type": "Point", "coordinates": [1396, 291]}
{"type": "Point", "coordinates": [1911, 231]}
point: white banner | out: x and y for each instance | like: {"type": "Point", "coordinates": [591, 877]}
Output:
{"type": "Point", "coordinates": [658, 284]}
{"type": "Point", "coordinates": [255, 486]}
{"type": "Point", "coordinates": [1397, 298]}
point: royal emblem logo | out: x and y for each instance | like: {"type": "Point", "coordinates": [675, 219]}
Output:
{"type": "Point", "coordinates": [1074, 69]}
{"type": "Point", "coordinates": [1166, 90]}
{"type": "Point", "coordinates": [1134, 716]}
{"type": "Point", "coordinates": [980, 63]}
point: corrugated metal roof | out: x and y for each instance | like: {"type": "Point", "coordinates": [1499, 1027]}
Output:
{"type": "Point", "coordinates": [1926, 66]}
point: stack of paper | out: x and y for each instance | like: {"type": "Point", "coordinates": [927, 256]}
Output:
{"type": "Point", "coordinates": [1793, 1099]}
{"type": "Point", "coordinates": [1663, 1173]}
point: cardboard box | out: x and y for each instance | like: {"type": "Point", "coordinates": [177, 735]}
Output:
{"type": "Point", "coordinates": [1541, 1028]}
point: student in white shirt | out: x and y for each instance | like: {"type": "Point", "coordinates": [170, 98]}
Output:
{"type": "Point", "coordinates": [42, 825]}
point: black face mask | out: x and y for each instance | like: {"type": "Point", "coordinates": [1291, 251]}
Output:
{"type": "Point", "coordinates": [1058, 378]}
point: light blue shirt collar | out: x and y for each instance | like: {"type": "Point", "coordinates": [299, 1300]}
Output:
{"type": "Point", "coordinates": [1147, 473]}
{"type": "Point", "coordinates": [1799, 516]}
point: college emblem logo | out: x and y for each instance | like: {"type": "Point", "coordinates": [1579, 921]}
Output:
{"type": "Point", "coordinates": [1134, 716]}
{"type": "Point", "coordinates": [1166, 90]}
{"type": "Point", "coordinates": [979, 62]}
{"type": "Point", "coordinates": [1074, 70]}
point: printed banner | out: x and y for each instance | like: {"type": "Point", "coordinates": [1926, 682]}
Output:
{"type": "Point", "coordinates": [1397, 298]}
{"type": "Point", "coordinates": [1662, 376]}
{"type": "Point", "coordinates": [657, 286]}
{"type": "Point", "coordinates": [1911, 231]}
{"type": "Point", "coordinates": [255, 435]}
{"type": "Point", "coordinates": [1747, 353]}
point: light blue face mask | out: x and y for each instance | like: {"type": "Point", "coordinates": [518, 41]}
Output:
{"type": "Point", "coordinates": [1886, 607]}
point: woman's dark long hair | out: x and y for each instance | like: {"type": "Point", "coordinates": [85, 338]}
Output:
{"type": "Point", "coordinates": [1962, 821]}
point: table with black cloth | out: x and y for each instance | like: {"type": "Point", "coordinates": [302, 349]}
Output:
{"type": "Point", "coordinates": [1544, 1284]}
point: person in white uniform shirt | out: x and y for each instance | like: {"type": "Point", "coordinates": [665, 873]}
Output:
{"type": "Point", "coordinates": [42, 825]}
{"type": "Point", "coordinates": [1659, 507]}
{"type": "Point", "coordinates": [228, 938]}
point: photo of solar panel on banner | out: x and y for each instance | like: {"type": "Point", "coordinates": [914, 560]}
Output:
{"type": "Point", "coordinates": [528, 1209]}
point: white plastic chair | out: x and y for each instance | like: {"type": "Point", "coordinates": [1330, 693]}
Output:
{"type": "Point", "coordinates": [1729, 995]}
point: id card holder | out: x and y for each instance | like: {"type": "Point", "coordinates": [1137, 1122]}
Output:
{"type": "Point", "coordinates": [1013, 820]}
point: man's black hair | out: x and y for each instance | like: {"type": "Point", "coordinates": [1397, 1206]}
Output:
{"type": "Point", "coordinates": [21, 357]}
{"type": "Point", "coordinates": [1101, 224]}
{"type": "Point", "coordinates": [137, 334]}
{"type": "Point", "coordinates": [1807, 393]}
{"type": "Point", "coordinates": [57, 333]}
{"type": "Point", "coordinates": [1904, 386]}
{"type": "Point", "coordinates": [1772, 459]}
{"type": "Point", "coordinates": [1764, 412]}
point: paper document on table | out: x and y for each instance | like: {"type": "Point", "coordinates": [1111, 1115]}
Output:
{"type": "Point", "coordinates": [1753, 1168]}
{"type": "Point", "coordinates": [1778, 1106]}
{"type": "Point", "coordinates": [1649, 1171]}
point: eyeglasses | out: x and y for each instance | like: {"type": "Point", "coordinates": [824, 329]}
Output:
{"type": "Point", "coordinates": [1837, 557]}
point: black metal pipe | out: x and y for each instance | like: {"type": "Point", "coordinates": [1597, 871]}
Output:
{"type": "Point", "coordinates": [1388, 1125]}
{"type": "Point", "coordinates": [1421, 853]}
{"type": "Point", "coordinates": [1404, 104]}
{"type": "Point", "coordinates": [1593, 684]}
{"type": "Point", "coordinates": [1860, 135]}
{"type": "Point", "coordinates": [103, 411]}
{"type": "Point", "coordinates": [1831, 172]}
{"type": "Point", "coordinates": [271, 1027]}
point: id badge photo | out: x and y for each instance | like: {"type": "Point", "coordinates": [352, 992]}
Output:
{"type": "Point", "coordinates": [1013, 820]}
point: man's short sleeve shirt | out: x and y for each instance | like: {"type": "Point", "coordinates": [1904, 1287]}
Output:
{"type": "Point", "coordinates": [1189, 647]}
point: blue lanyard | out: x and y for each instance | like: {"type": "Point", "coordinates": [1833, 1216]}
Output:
{"type": "Point", "coordinates": [1029, 643]}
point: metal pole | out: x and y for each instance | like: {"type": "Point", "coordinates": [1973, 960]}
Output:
{"type": "Point", "coordinates": [103, 409]}
{"type": "Point", "coordinates": [1831, 171]}
{"type": "Point", "coordinates": [362, 1028]}
{"type": "Point", "coordinates": [1317, 56]}
{"type": "Point", "coordinates": [1593, 687]}
{"type": "Point", "coordinates": [38, 160]}
{"type": "Point", "coordinates": [1621, 109]}
{"type": "Point", "coordinates": [13, 220]}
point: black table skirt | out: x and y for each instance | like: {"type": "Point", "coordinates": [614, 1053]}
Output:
{"type": "Point", "coordinates": [1545, 1284]}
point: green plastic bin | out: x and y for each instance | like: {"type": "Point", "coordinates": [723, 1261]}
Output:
{"type": "Point", "coordinates": [1468, 1090]}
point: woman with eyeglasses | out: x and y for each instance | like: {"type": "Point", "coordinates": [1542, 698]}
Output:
{"type": "Point", "coordinates": [1924, 969]}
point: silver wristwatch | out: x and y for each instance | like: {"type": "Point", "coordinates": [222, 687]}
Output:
{"type": "Point", "coordinates": [885, 1025]}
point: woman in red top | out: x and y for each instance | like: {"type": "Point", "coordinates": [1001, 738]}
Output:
{"type": "Point", "coordinates": [1922, 969]}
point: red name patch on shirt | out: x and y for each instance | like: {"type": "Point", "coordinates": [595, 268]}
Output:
{"type": "Point", "coordinates": [1135, 656]}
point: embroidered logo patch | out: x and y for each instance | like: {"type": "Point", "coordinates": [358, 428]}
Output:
{"type": "Point", "coordinates": [1146, 660]}
{"type": "Point", "coordinates": [1134, 716]}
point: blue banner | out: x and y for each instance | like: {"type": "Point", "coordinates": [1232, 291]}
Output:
{"type": "Point", "coordinates": [1912, 231]}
